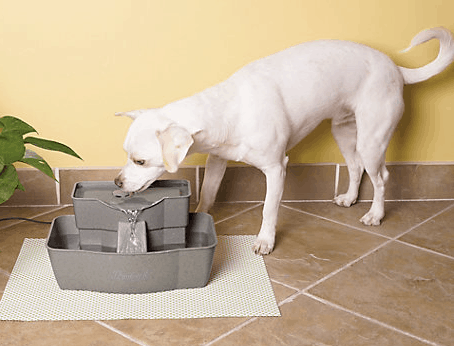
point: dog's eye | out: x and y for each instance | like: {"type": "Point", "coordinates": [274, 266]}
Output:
{"type": "Point", "coordinates": [139, 162]}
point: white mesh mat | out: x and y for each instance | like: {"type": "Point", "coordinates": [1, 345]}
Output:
{"type": "Point", "coordinates": [239, 286]}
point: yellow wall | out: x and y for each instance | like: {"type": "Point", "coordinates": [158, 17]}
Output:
{"type": "Point", "coordinates": [67, 66]}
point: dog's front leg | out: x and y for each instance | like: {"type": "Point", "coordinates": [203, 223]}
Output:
{"type": "Point", "coordinates": [275, 178]}
{"type": "Point", "coordinates": [214, 172]}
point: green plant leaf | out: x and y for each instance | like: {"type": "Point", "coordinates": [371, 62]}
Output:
{"type": "Point", "coordinates": [40, 164]}
{"type": "Point", "coordinates": [9, 181]}
{"type": "Point", "coordinates": [12, 147]}
{"type": "Point", "coordinates": [20, 186]}
{"type": "Point", "coordinates": [14, 124]}
{"type": "Point", "coordinates": [51, 145]}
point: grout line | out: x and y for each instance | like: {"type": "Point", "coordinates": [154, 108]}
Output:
{"type": "Point", "coordinates": [283, 284]}
{"type": "Point", "coordinates": [34, 216]}
{"type": "Point", "coordinates": [197, 184]}
{"type": "Point", "coordinates": [57, 185]}
{"type": "Point", "coordinates": [416, 200]}
{"type": "Point", "coordinates": [390, 240]}
{"type": "Point", "coordinates": [117, 331]}
{"type": "Point", "coordinates": [231, 331]}
{"type": "Point", "coordinates": [396, 238]}
{"type": "Point", "coordinates": [239, 202]}
{"type": "Point", "coordinates": [370, 319]}
{"type": "Point", "coordinates": [370, 201]}
{"type": "Point", "coordinates": [47, 212]}
{"type": "Point", "coordinates": [424, 249]}
{"type": "Point", "coordinates": [307, 201]}
{"type": "Point", "coordinates": [291, 298]}
{"type": "Point", "coordinates": [423, 222]}
{"type": "Point", "coordinates": [34, 206]}
{"type": "Point", "coordinates": [348, 265]}
{"type": "Point", "coordinates": [253, 319]}
{"type": "Point", "coordinates": [239, 213]}
{"type": "Point", "coordinates": [338, 222]}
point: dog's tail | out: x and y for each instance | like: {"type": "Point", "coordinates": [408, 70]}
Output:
{"type": "Point", "coordinates": [444, 59]}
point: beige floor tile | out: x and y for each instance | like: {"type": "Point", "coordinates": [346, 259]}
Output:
{"type": "Point", "coordinates": [400, 216]}
{"type": "Point", "coordinates": [186, 331]}
{"type": "Point", "coordinates": [11, 238]}
{"type": "Point", "coordinates": [74, 333]}
{"type": "Point", "coordinates": [4, 277]}
{"type": "Point", "coordinates": [68, 177]}
{"type": "Point", "coordinates": [408, 181]}
{"type": "Point", "coordinates": [307, 247]}
{"type": "Point", "coordinates": [247, 223]}
{"type": "Point", "coordinates": [282, 292]}
{"type": "Point", "coordinates": [407, 288]}
{"type": "Point", "coordinates": [241, 183]}
{"type": "Point", "coordinates": [306, 322]}
{"type": "Point", "coordinates": [39, 189]}
{"type": "Point", "coordinates": [176, 332]}
{"type": "Point", "coordinates": [437, 234]}
{"type": "Point", "coordinates": [26, 212]}
{"type": "Point", "coordinates": [221, 211]}
{"type": "Point", "coordinates": [304, 182]}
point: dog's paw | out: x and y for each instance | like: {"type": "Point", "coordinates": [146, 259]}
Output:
{"type": "Point", "coordinates": [344, 200]}
{"type": "Point", "coordinates": [262, 246]}
{"type": "Point", "coordinates": [370, 219]}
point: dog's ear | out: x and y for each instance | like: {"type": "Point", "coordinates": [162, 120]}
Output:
{"type": "Point", "coordinates": [175, 143]}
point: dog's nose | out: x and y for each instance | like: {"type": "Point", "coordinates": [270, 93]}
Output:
{"type": "Point", "coordinates": [118, 181]}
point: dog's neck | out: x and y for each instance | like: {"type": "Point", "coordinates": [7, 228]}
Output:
{"type": "Point", "coordinates": [204, 116]}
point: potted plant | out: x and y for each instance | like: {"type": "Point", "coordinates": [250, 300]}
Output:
{"type": "Point", "coordinates": [13, 149]}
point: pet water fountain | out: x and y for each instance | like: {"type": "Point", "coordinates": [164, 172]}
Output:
{"type": "Point", "coordinates": [139, 243]}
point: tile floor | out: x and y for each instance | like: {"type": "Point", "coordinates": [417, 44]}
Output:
{"type": "Point", "coordinates": [337, 282]}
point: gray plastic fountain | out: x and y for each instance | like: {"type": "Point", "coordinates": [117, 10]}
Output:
{"type": "Point", "coordinates": [143, 243]}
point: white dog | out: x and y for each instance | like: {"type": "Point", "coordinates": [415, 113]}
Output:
{"type": "Point", "coordinates": [267, 107]}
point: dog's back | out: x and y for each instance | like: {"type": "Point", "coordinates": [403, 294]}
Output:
{"type": "Point", "coordinates": [314, 81]}
{"type": "Point", "coordinates": [324, 79]}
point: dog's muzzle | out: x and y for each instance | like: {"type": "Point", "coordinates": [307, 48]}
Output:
{"type": "Point", "coordinates": [119, 181]}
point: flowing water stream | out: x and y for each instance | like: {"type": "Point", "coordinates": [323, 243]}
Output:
{"type": "Point", "coordinates": [132, 219]}
{"type": "Point", "coordinates": [132, 237]}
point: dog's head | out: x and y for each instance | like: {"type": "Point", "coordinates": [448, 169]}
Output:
{"type": "Point", "coordinates": [154, 145]}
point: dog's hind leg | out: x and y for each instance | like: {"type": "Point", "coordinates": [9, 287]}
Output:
{"type": "Point", "coordinates": [378, 174]}
{"type": "Point", "coordinates": [275, 178]}
{"type": "Point", "coordinates": [375, 129]}
{"type": "Point", "coordinates": [345, 135]}
{"type": "Point", "coordinates": [214, 172]}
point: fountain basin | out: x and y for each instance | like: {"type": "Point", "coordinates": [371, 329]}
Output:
{"type": "Point", "coordinates": [164, 266]}
{"type": "Point", "coordinates": [165, 204]}
{"type": "Point", "coordinates": [107, 241]}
